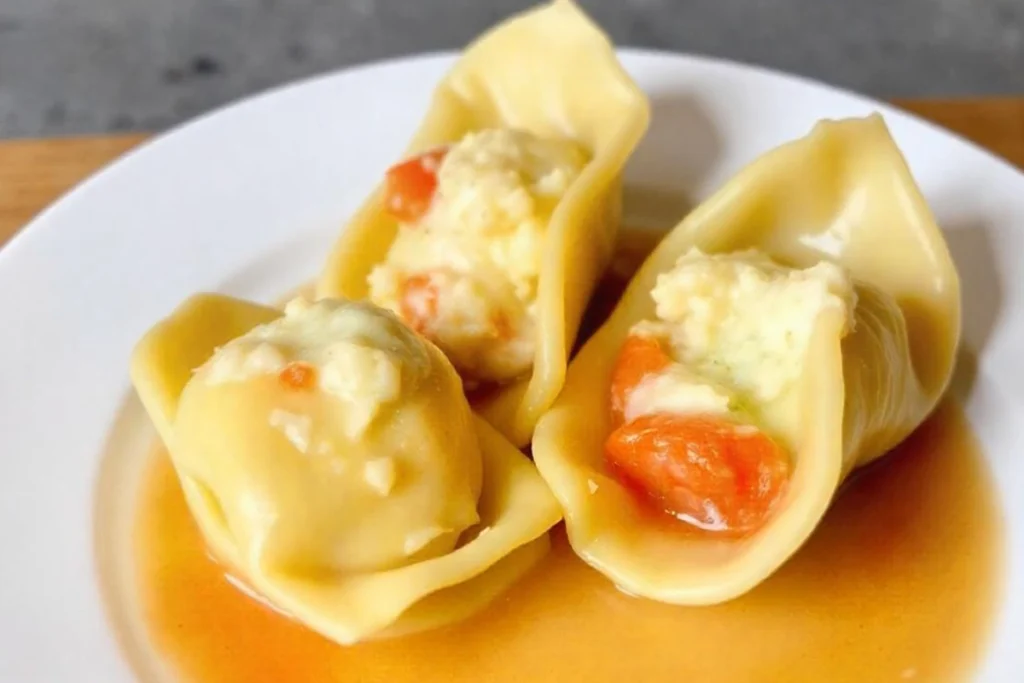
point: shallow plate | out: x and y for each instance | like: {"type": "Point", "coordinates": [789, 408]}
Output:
{"type": "Point", "coordinates": [246, 201]}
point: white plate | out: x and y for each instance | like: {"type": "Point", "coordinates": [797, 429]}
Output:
{"type": "Point", "coordinates": [246, 201]}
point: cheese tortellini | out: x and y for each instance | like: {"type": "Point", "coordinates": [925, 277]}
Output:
{"type": "Point", "coordinates": [490, 236]}
{"type": "Point", "coordinates": [798, 324]}
{"type": "Point", "coordinates": [331, 459]}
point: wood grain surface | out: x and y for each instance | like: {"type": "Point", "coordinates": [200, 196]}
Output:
{"type": "Point", "coordinates": [33, 173]}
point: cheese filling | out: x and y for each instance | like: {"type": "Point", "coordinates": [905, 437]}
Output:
{"type": "Point", "coordinates": [350, 355]}
{"type": "Point", "coordinates": [465, 273]}
{"type": "Point", "coordinates": [737, 327]}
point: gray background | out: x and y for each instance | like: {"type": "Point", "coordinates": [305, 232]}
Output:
{"type": "Point", "coordinates": [75, 66]}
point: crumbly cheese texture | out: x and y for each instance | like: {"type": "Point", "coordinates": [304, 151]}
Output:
{"type": "Point", "coordinates": [679, 390]}
{"type": "Point", "coordinates": [371, 463]}
{"type": "Point", "coordinates": [359, 356]}
{"type": "Point", "coordinates": [737, 326]}
{"type": "Point", "coordinates": [480, 244]}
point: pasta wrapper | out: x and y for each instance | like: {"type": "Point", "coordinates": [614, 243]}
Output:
{"type": "Point", "coordinates": [843, 193]}
{"type": "Point", "coordinates": [515, 506]}
{"type": "Point", "coordinates": [552, 72]}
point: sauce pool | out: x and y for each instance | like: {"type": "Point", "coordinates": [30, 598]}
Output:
{"type": "Point", "coordinates": [898, 583]}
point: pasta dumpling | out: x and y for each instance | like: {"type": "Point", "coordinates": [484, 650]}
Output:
{"type": "Point", "coordinates": [489, 236]}
{"type": "Point", "coordinates": [765, 349]}
{"type": "Point", "coordinates": [331, 460]}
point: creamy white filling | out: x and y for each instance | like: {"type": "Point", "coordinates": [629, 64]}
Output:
{"type": "Point", "coordinates": [675, 390]}
{"type": "Point", "coordinates": [296, 428]}
{"type": "Point", "coordinates": [357, 355]}
{"type": "Point", "coordinates": [380, 474]}
{"type": "Point", "coordinates": [481, 244]}
{"type": "Point", "coordinates": [737, 327]}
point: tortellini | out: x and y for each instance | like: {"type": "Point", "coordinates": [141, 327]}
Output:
{"type": "Point", "coordinates": [833, 219]}
{"type": "Point", "coordinates": [542, 117]}
{"type": "Point", "coordinates": [332, 461]}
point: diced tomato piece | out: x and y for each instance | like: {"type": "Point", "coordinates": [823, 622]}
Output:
{"type": "Point", "coordinates": [639, 356]}
{"type": "Point", "coordinates": [298, 375]}
{"type": "Point", "coordinates": [409, 186]}
{"type": "Point", "coordinates": [705, 470]}
{"type": "Point", "coordinates": [418, 302]}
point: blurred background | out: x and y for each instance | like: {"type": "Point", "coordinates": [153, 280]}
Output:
{"type": "Point", "coordinates": [82, 66]}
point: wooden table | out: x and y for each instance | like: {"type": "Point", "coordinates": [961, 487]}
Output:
{"type": "Point", "coordinates": [33, 173]}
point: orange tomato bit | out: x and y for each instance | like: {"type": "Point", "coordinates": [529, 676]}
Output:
{"type": "Point", "coordinates": [639, 356]}
{"type": "Point", "coordinates": [503, 327]}
{"type": "Point", "coordinates": [409, 186]}
{"type": "Point", "coordinates": [704, 470]}
{"type": "Point", "coordinates": [298, 375]}
{"type": "Point", "coordinates": [418, 302]}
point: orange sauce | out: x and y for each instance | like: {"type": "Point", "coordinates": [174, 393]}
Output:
{"type": "Point", "coordinates": [899, 583]}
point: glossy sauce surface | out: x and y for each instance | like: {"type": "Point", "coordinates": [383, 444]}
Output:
{"type": "Point", "coordinates": [898, 583]}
